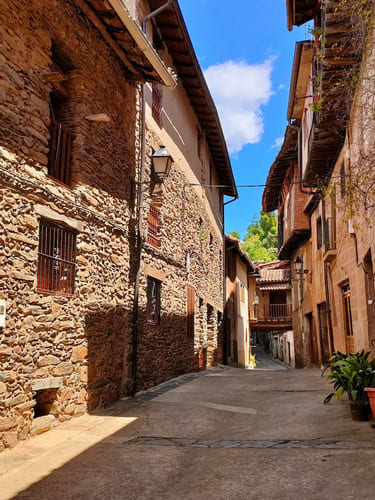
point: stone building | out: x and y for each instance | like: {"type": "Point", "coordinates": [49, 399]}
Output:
{"type": "Point", "coordinates": [240, 274]}
{"type": "Point", "coordinates": [111, 283]}
{"type": "Point", "coordinates": [326, 159]}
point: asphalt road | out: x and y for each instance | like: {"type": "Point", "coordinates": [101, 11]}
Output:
{"type": "Point", "coordinates": [226, 433]}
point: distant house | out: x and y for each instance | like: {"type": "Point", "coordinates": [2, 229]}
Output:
{"type": "Point", "coordinates": [271, 317]}
{"type": "Point", "coordinates": [240, 275]}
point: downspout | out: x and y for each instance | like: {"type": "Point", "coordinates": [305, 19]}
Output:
{"type": "Point", "coordinates": [138, 245]}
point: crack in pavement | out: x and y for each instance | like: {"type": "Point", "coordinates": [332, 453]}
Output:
{"type": "Point", "coordinates": [320, 443]}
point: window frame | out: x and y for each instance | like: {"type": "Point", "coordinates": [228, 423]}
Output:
{"type": "Point", "coordinates": [57, 252]}
{"type": "Point", "coordinates": [153, 294]}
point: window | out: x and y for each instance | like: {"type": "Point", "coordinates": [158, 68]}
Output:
{"type": "Point", "coordinates": [56, 258]}
{"type": "Point", "coordinates": [319, 235]}
{"type": "Point", "coordinates": [348, 325]}
{"type": "Point", "coordinates": [153, 300]}
{"type": "Point", "coordinates": [157, 103]}
{"type": "Point", "coordinates": [190, 311]}
{"type": "Point", "coordinates": [60, 141]}
{"type": "Point", "coordinates": [153, 226]}
{"type": "Point", "coordinates": [212, 252]}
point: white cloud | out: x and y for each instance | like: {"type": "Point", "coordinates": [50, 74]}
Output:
{"type": "Point", "coordinates": [278, 143]}
{"type": "Point", "coordinates": [239, 91]}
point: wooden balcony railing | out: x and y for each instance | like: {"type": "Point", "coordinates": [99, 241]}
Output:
{"type": "Point", "coordinates": [277, 312]}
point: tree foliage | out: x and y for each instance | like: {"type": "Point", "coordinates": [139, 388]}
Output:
{"type": "Point", "coordinates": [261, 239]}
{"type": "Point", "coordinates": [235, 234]}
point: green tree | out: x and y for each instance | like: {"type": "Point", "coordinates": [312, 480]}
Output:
{"type": "Point", "coordinates": [235, 234]}
{"type": "Point", "coordinates": [261, 239]}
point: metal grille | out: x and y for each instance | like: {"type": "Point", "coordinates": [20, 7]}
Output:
{"type": "Point", "coordinates": [156, 103]}
{"type": "Point", "coordinates": [57, 255]}
{"type": "Point", "coordinates": [153, 227]}
{"type": "Point", "coordinates": [60, 152]}
{"type": "Point", "coordinates": [153, 301]}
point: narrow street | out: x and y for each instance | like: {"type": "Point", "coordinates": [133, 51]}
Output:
{"type": "Point", "coordinates": [227, 432]}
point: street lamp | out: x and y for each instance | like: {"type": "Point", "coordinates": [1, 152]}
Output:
{"type": "Point", "coordinates": [298, 265]}
{"type": "Point", "coordinates": [255, 306]}
{"type": "Point", "coordinates": [161, 162]}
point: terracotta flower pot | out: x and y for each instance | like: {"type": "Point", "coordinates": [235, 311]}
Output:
{"type": "Point", "coordinates": [371, 395]}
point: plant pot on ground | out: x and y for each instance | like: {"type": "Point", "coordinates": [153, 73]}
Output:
{"type": "Point", "coordinates": [352, 374]}
{"type": "Point", "coordinates": [371, 395]}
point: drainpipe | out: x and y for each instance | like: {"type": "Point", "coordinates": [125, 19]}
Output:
{"type": "Point", "coordinates": [143, 43]}
{"type": "Point", "coordinates": [138, 245]}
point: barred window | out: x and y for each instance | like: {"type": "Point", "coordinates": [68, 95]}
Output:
{"type": "Point", "coordinates": [153, 226]}
{"type": "Point", "coordinates": [56, 258]}
{"type": "Point", "coordinates": [153, 300]}
{"type": "Point", "coordinates": [156, 103]}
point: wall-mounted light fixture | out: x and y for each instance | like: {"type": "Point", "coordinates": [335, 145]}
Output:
{"type": "Point", "coordinates": [298, 265]}
{"type": "Point", "coordinates": [161, 162]}
{"type": "Point", "coordinates": [255, 306]}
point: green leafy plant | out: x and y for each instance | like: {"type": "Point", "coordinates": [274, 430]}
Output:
{"type": "Point", "coordinates": [351, 373]}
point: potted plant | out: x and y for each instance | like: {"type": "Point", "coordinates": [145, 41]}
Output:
{"type": "Point", "coordinates": [371, 395]}
{"type": "Point", "coordinates": [352, 374]}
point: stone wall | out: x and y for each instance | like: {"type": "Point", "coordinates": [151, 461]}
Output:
{"type": "Point", "coordinates": [74, 346]}
{"type": "Point", "coordinates": [190, 253]}
{"type": "Point", "coordinates": [65, 355]}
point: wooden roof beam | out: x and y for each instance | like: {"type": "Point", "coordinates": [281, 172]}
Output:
{"type": "Point", "coordinates": [107, 37]}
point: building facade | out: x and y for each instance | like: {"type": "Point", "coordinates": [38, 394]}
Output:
{"type": "Point", "coordinates": [328, 145]}
{"type": "Point", "coordinates": [100, 289]}
{"type": "Point", "coordinates": [240, 276]}
{"type": "Point", "coordinates": [271, 312]}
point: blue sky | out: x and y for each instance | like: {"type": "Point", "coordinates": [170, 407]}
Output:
{"type": "Point", "coordinates": [246, 53]}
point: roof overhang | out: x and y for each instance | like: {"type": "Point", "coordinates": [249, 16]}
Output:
{"type": "Point", "coordinates": [279, 168]}
{"type": "Point", "coordinates": [274, 286]}
{"type": "Point", "coordinates": [299, 12]}
{"type": "Point", "coordinates": [122, 33]}
{"type": "Point", "coordinates": [341, 59]}
{"type": "Point", "coordinates": [174, 34]}
{"type": "Point", "coordinates": [295, 240]}
{"type": "Point", "coordinates": [303, 57]}
{"type": "Point", "coordinates": [232, 243]}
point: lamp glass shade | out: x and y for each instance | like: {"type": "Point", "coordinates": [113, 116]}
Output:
{"type": "Point", "coordinates": [256, 300]}
{"type": "Point", "coordinates": [298, 265]}
{"type": "Point", "coordinates": [161, 163]}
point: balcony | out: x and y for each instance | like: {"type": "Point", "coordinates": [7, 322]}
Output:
{"type": "Point", "coordinates": [274, 315]}
{"type": "Point", "coordinates": [277, 312]}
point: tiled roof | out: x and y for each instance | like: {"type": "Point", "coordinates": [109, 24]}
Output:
{"type": "Point", "coordinates": [274, 272]}
{"type": "Point", "coordinates": [274, 275]}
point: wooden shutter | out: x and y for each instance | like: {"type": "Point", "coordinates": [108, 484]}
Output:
{"type": "Point", "coordinates": [190, 310]}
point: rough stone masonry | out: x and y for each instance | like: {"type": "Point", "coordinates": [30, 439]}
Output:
{"type": "Point", "coordinates": [63, 355]}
